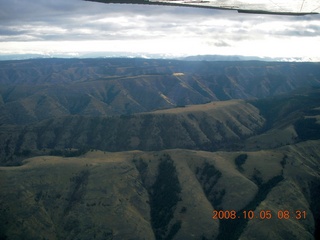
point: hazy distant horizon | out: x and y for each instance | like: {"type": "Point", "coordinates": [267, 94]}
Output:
{"type": "Point", "coordinates": [76, 27]}
{"type": "Point", "coordinates": [208, 57]}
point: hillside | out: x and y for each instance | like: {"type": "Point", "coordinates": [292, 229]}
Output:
{"type": "Point", "coordinates": [223, 125]}
{"type": "Point", "coordinates": [34, 90]}
{"type": "Point", "coordinates": [162, 195]}
{"type": "Point", "coordinates": [288, 119]}
{"type": "Point", "coordinates": [209, 126]}
{"type": "Point", "coordinates": [159, 149]}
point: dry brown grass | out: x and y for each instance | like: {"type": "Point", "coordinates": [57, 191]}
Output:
{"type": "Point", "coordinates": [113, 195]}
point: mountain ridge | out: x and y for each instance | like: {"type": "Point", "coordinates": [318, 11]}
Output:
{"type": "Point", "coordinates": [208, 126]}
{"type": "Point", "coordinates": [104, 55]}
{"type": "Point", "coordinates": [159, 149]}
{"type": "Point", "coordinates": [223, 125]}
{"type": "Point", "coordinates": [34, 90]}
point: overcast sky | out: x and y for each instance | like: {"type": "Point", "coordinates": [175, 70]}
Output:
{"type": "Point", "coordinates": [76, 27]}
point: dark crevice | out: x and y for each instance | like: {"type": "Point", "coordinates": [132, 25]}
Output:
{"type": "Point", "coordinates": [232, 229]}
{"type": "Point", "coordinates": [77, 190]}
{"type": "Point", "coordinates": [208, 176]}
{"type": "Point", "coordinates": [164, 196]}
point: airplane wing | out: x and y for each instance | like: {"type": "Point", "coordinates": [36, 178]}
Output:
{"type": "Point", "coordinates": [280, 7]}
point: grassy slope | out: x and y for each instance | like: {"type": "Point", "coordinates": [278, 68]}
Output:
{"type": "Point", "coordinates": [100, 192]}
{"type": "Point", "coordinates": [207, 126]}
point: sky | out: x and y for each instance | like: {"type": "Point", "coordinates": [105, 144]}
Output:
{"type": "Point", "coordinates": [78, 28]}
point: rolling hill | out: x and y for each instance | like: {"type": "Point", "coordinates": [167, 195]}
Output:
{"type": "Point", "coordinates": [159, 149]}
{"type": "Point", "coordinates": [209, 126]}
{"type": "Point", "coordinates": [167, 194]}
{"type": "Point", "coordinates": [223, 125]}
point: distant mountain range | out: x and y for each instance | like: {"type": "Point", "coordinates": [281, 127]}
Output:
{"type": "Point", "coordinates": [153, 56]}
{"type": "Point", "coordinates": [41, 94]}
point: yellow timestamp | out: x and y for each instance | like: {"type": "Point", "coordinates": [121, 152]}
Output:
{"type": "Point", "coordinates": [262, 214]}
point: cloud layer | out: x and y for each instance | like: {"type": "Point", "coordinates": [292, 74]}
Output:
{"type": "Point", "coordinates": [76, 26]}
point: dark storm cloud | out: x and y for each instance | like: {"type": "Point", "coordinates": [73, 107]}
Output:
{"type": "Point", "coordinates": [76, 20]}
{"type": "Point", "coordinates": [25, 22]}
{"type": "Point", "coordinates": [14, 11]}
{"type": "Point", "coordinates": [10, 32]}
{"type": "Point", "coordinates": [18, 16]}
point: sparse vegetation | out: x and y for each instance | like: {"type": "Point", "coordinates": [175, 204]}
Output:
{"type": "Point", "coordinates": [315, 206]}
{"type": "Point", "coordinates": [256, 177]}
{"type": "Point", "coordinates": [77, 190]}
{"type": "Point", "coordinates": [164, 196]}
{"type": "Point", "coordinates": [69, 152]}
{"type": "Point", "coordinates": [240, 160]}
{"type": "Point", "coordinates": [142, 167]}
{"type": "Point", "coordinates": [232, 228]}
{"type": "Point", "coordinates": [173, 230]}
{"type": "Point", "coordinates": [73, 190]}
{"type": "Point", "coordinates": [284, 160]}
{"type": "Point", "coordinates": [208, 176]}
{"type": "Point", "coordinates": [183, 210]}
